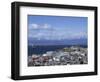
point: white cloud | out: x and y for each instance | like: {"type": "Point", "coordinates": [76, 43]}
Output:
{"type": "Point", "coordinates": [37, 26]}
{"type": "Point", "coordinates": [46, 26]}
{"type": "Point", "coordinates": [46, 31]}
{"type": "Point", "coordinates": [34, 26]}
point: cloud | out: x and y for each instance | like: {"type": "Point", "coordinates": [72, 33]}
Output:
{"type": "Point", "coordinates": [57, 35]}
{"type": "Point", "coordinates": [46, 26]}
{"type": "Point", "coordinates": [34, 26]}
{"type": "Point", "coordinates": [38, 26]}
{"type": "Point", "coordinates": [47, 32]}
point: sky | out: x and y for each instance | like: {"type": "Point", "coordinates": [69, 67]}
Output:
{"type": "Point", "coordinates": [56, 27]}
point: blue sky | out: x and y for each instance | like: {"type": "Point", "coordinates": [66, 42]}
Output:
{"type": "Point", "coordinates": [57, 27]}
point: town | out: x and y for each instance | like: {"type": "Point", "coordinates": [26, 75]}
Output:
{"type": "Point", "coordinates": [66, 56]}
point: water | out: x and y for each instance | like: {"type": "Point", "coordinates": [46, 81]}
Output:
{"type": "Point", "coordinates": [43, 49]}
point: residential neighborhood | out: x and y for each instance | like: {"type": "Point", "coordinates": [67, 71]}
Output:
{"type": "Point", "coordinates": [66, 56]}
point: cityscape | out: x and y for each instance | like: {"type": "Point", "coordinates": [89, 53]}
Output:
{"type": "Point", "coordinates": [66, 56]}
{"type": "Point", "coordinates": [57, 40]}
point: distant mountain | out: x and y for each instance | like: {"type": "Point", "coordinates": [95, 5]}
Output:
{"type": "Point", "coordinates": [81, 41]}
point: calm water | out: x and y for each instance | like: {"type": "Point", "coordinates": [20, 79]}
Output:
{"type": "Point", "coordinates": [44, 49]}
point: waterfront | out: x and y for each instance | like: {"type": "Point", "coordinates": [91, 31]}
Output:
{"type": "Point", "coordinates": [63, 55]}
